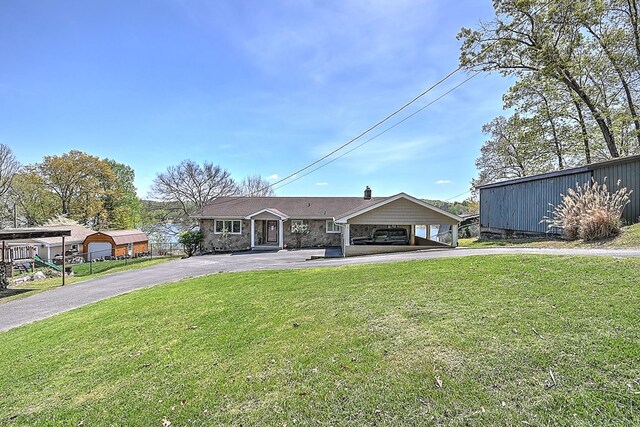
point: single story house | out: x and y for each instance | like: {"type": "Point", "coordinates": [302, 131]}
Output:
{"type": "Point", "coordinates": [517, 207]}
{"type": "Point", "coordinates": [239, 223]}
{"type": "Point", "coordinates": [115, 243]}
{"type": "Point", "coordinates": [49, 247]}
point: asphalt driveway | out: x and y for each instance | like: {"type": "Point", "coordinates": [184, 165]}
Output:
{"type": "Point", "coordinates": [40, 306]}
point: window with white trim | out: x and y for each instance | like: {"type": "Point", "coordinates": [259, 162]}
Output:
{"type": "Point", "coordinates": [296, 221]}
{"type": "Point", "coordinates": [233, 226]}
{"type": "Point", "coordinates": [332, 227]}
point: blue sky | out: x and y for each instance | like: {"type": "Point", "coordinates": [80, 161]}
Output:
{"type": "Point", "coordinates": [258, 87]}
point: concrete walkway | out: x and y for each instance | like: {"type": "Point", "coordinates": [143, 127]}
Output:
{"type": "Point", "coordinates": [40, 306]}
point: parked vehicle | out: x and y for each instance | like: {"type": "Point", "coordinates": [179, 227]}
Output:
{"type": "Point", "coordinates": [384, 236]}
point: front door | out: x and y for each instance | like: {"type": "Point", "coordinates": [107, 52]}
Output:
{"type": "Point", "coordinates": [272, 231]}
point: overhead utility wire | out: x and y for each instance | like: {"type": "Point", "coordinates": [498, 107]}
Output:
{"type": "Point", "coordinates": [381, 133]}
{"type": "Point", "coordinates": [387, 118]}
{"type": "Point", "coordinates": [392, 114]}
{"type": "Point", "coordinates": [439, 82]}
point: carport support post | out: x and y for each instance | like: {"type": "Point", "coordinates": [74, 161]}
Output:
{"type": "Point", "coordinates": [454, 235]}
{"type": "Point", "coordinates": [64, 263]}
{"type": "Point", "coordinates": [347, 234]}
{"type": "Point", "coordinates": [253, 233]}
{"type": "Point", "coordinates": [281, 233]}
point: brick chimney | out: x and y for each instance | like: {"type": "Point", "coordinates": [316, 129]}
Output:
{"type": "Point", "coordinates": [367, 193]}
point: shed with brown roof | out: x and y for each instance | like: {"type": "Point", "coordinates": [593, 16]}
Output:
{"type": "Point", "coordinates": [116, 243]}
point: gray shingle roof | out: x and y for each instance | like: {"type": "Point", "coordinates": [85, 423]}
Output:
{"type": "Point", "coordinates": [293, 207]}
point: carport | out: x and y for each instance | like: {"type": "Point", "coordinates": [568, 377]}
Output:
{"type": "Point", "coordinates": [399, 211]}
{"type": "Point", "coordinates": [6, 264]}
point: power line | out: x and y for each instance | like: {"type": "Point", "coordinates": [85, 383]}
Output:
{"type": "Point", "coordinates": [381, 133]}
{"type": "Point", "coordinates": [388, 117]}
{"type": "Point", "coordinates": [457, 195]}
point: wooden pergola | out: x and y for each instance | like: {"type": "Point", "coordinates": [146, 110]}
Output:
{"type": "Point", "coordinates": [9, 234]}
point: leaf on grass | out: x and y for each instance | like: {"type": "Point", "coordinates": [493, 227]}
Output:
{"type": "Point", "coordinates": [438, 382]}
{"type": "Point", "coordinates": [552, 380]}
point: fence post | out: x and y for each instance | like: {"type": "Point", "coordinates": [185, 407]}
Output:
{"type": "Point", "coordinates": [90, 264]}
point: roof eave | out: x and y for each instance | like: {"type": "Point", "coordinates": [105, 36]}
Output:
{"type": "Point", "coordinates": [346, 218]}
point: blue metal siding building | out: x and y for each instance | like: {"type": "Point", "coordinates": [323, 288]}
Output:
{"type": "Point", "coordinates": [517, 206]}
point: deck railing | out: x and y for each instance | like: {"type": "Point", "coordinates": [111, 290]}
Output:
{"type": "Point", "coordinates": [12, 253]}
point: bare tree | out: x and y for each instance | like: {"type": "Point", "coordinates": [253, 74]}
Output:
{"type": "Point", "coordinates": [9, 166]}
{"type": "Point", "coordinates": [256, 186]}
{"type": "Point", "coordinates": [192, 186]}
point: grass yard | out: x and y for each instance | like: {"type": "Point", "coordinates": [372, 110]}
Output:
{"type": "Point", "coordinates": [492, 340]}
{"type": "Point", "coordinates": [30, 288]}
{"type": "Point", "coordinates": [628, 238]}
{"type": "Point", "coordinates": [86, 269]}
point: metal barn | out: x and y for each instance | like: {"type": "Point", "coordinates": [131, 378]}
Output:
{"type": "Point", "coordinates": [516, 207]}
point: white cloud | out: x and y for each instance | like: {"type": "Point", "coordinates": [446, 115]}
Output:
{"type": "Point", "coordinates": [273, 177]}
{"type": "Point", "coordinates": [443, 181]}
{"type": "Point", "coordinates": [321, 184]}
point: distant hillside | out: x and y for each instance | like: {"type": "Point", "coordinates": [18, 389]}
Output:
{"type": "Point", "coordinates": [465, 207]}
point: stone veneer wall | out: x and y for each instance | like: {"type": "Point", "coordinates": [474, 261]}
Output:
{"type": "Point", "coordinates": [317, 236]}
{"type": "Point", "coordinates": [212, 241]}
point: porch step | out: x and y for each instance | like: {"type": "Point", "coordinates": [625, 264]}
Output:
{"type": "Point", "coordinates": [265, 248]}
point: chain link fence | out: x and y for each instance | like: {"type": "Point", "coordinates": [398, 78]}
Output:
{"type": "Point", "coordinates": [84, 264]}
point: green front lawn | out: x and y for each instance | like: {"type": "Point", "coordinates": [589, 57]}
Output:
{"type": "Point", "coordinates": [87, 269]}
{"type": "Point", "coordinates": [492, 340]}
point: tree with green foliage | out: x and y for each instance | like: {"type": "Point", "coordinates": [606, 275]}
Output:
{"type": "Point", "coordinates": [576, 65]}
{"type": "Point", "coordinates": [121, 201]}
{"type": "Point", "coordinates": [191, 240]}
{"type": "Point", "coordinates": [80, 183]}
{"type": "Point", "coordinates": [35, 204]}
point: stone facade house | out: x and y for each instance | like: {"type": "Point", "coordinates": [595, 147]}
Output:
{"type": "Point", "coordinates": [239, 223]}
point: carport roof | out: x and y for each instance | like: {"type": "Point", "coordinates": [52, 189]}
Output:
{"type": "Point", "coordinates": [78, 234]}
{"type": "Point", "coordinates": [32, 233]}
{"type": "Point", "coordinates": [359, 211]}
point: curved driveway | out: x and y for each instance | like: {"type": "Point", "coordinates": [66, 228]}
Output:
{"type": "Point", "coordinates": [40, 306]}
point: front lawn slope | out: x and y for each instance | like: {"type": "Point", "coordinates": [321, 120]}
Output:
{"type": "Point", "coordinates": [492, 340]}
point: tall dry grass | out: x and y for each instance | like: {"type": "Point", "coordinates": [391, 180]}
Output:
{"type": "Point", "coordinates": [589, 212]}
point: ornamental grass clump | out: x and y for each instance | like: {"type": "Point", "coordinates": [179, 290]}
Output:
{"type": "Point", "coordinates": [590, 212]}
